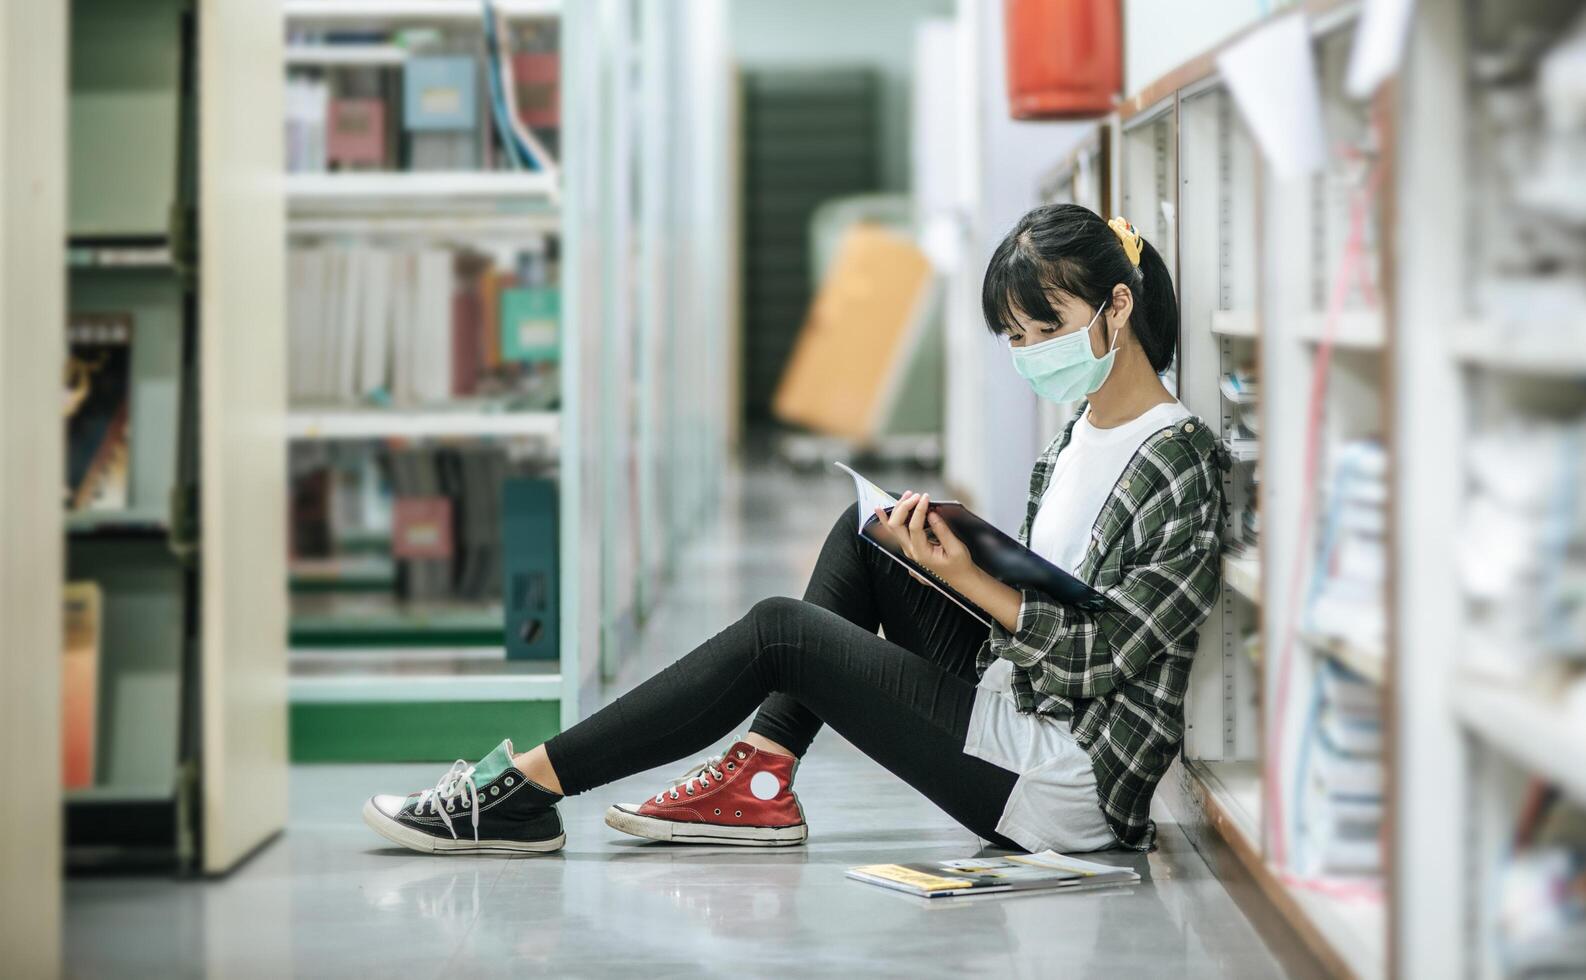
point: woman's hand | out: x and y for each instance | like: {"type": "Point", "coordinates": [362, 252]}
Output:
{"type": "Point", "coordinates": [928, 541]}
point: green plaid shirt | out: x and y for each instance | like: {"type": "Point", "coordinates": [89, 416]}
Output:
{"type": "Point", "coordinates": [1120, 675]}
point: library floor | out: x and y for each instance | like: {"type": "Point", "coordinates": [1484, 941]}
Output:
{"type": "Point", "coordinates": [330, 899]}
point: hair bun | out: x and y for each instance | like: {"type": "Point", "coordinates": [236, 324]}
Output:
{"type": "Point", "coordinates": [1128, 238]}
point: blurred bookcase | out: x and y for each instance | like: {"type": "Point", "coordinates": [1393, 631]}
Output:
{"type": "Point", "coordinates": [1387, 708]}
{"type": "Point", "coordinates": [425, 406]}
{"type": "Point", "coordinates": [169, 226]}
{"type": "Point", "coordinates": [1490, 372]}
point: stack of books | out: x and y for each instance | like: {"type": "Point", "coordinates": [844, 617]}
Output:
{"type": "Point", "coordinates": [1340, 808]}
{"type": "Point", "coordinates": [455, 101]}
{"type": "Point", "coordinates": [440, 508]}
{"type": "Point", "coordinates": [1523, 550]}
{"type": "Point", "coordinates": [1346, 600]}
{"type": "Point", "coordinates": [420, 327]}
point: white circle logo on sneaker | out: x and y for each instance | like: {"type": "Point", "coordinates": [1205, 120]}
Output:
{"type": "Point", "coordinates": [764, 785]}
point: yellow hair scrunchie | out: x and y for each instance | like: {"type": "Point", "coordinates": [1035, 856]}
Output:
{"type": "Point", "coordinates": [1128, 237]}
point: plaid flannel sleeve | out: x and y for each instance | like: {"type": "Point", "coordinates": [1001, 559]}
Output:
{"type": "Point", "coordinates": [1167, 587]}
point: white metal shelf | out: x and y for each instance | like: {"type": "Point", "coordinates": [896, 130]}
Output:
{"type": "Point", "coordinates": [1537, 731]}
{"type": "Point", "coordinates": [440, 225]}
{"type": "Point", "coordinates": [356, 423]}
{"type": "Point", "coordinates": [1234, 323]}
{"type": "Point", "coordinates": [1243, 575]}
{"type": "Point", "coordinates": [1490, 345]}
{"type": "Point", "coordinates": [1356, 330]}
{"type": "Point", "coordinates": [355, 688]}
{"type": "Point", "coordinates": [405, 191]}
{"type": "Point", "coordinates": [352, 55]}
{"type": "Point", "coordinates": [301, 12]}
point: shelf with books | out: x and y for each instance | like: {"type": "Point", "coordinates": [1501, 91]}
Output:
{"type": "Point", "coordinates": [441, 422]}
{"type": "Point", "coordinates": [364, 12]}
{"type": "Point", "coordinates": [1542, 730]}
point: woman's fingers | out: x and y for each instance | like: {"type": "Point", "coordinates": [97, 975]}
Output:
{"type": "Point", "coordinates": [916, 528]}
{"type": "Point", "coordinates": [944, 534]}
{"type": "Point", "coordinates": [900, 510]}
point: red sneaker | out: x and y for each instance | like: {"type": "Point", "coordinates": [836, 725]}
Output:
{"type": "Point", "coordinates": [743, 796]}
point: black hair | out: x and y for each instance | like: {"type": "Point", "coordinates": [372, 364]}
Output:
{"type": "Point", "coordinates": [1069, 247]}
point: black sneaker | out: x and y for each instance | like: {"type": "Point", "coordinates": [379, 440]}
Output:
{"type": "Point", "coordinates": [483, 808]}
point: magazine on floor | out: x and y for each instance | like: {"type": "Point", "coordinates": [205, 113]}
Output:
{"type": "Point", "coordinates": [1008, 561]}
{"type": "Point", "coordinates": [1047, 870]}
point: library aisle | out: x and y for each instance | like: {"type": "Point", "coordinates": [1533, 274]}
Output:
{"type": "Point", "coordinates": [332, 901]}
{"type": "Point", "coordinates": [381, 378]}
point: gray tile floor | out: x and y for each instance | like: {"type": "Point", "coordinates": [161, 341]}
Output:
{"type": "Point", "coordinates": [330, 899]}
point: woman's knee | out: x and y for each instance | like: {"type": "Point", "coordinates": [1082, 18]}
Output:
{"type": "Point", "coordinates": [776, 611]}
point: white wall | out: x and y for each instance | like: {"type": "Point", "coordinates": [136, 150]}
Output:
{"type": "Point", "coordinates": [1159, 35]}
{"type": "Point", "coordinates": [989, 459]}
{"type": "Point", "coordinates": [879, 33]}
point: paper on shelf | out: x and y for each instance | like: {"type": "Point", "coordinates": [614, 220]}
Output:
{"type": "Point", "coordinates": [1272, 76]}
{"type": "Point", "coordinates": [1379, 45]}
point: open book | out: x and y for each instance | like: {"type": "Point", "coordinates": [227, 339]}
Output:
{"type": "Point", "coordinates": [979, 876]}
{"type": "Point", "coordinates": [1005, 559]}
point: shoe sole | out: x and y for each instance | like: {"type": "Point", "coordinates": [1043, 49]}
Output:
{"type": "Point", "coordinates": [680, 832]}
{"type": "Point", "coordinates": [415, 840]}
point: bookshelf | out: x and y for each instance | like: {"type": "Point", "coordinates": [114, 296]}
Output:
{"type": "Point", "coordinates": [1496, 711]}
{"type": "Point", "coordinates": [187, 766]}
{"type": "Point", "coordinates": [370, 645]}
{"type": "Point", "coordinates": [1437, 393]}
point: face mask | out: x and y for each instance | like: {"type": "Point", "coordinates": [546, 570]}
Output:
{"type": "Point", "coordinates": [1063, 369]}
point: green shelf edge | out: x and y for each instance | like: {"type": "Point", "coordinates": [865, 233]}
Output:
{"type": "Point", "coordinates": [445, 730]}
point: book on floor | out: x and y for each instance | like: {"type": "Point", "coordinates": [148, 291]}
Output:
{"type": "Point", "coordinates": [1047, 870]}
{"type": "Point", "coordinates": [1001, 556]}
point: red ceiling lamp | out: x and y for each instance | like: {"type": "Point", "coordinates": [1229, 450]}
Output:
{"type": "Point", "coordinates": [1065, 57]}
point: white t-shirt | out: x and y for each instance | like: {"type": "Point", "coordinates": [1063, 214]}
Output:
{"type": "Point", "coordinates": [1082, 478]}
{"type": "Point", "coordinates": [1054, 803]}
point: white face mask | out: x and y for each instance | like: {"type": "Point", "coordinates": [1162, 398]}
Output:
{"type": "Point", "coordinates": [1064, 369]}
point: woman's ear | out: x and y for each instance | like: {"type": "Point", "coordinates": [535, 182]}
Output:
{"type": "Point", "coordinates": [1121, 305]}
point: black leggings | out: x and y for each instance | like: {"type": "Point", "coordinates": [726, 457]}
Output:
{"type": "Point", "coordinates": [905, 701]}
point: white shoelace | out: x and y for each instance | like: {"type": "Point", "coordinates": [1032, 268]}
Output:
{"type": "Point", "coordinates": [458, 781]}
{"type": "Point", "coordinates": [702, 776]}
